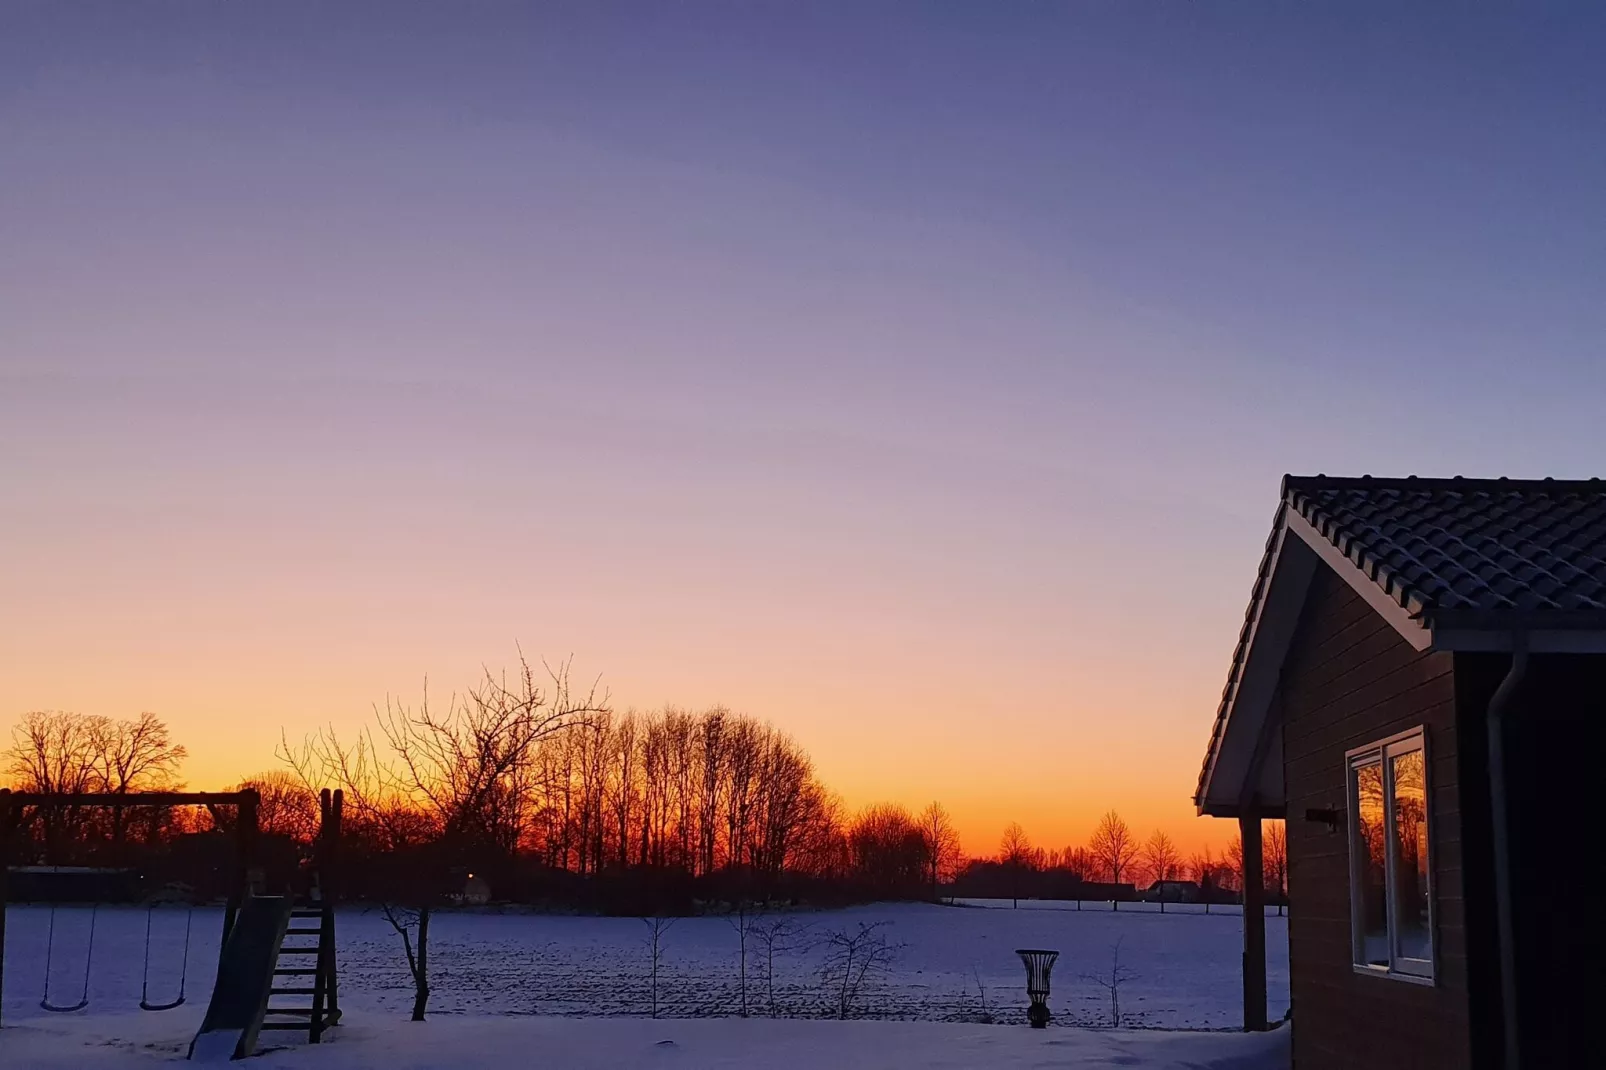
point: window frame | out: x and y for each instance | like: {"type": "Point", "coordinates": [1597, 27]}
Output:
{"type": "Point", "coordinates": [1382, 752]}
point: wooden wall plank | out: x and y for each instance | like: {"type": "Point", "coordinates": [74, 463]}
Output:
{"type": "Point", "coordinates": [1350, 680]}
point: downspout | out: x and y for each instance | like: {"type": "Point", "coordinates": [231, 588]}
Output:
{"type": "Point", "coordinates": [1501, 830]}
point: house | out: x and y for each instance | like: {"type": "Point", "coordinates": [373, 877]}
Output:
{"type": "Point", "coordinates": [476, 891]}
{"type": "Point", "coordinates": [73, 884]}
{"type": "Point", "coordinates": [472, 890]}
{"type": "Point", "coordinates": [1420, 689]}
{"type": "Point", "coordinates": [1169, 891]}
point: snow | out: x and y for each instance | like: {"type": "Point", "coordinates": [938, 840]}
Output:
{"type": "Point", "coordinates": [215, 1045]}
{"type": "Point", "coordinates": [128, 1042]}
{"type": "Point", "coordinates": [541, 983]}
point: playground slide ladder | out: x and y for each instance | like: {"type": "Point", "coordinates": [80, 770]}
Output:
{"type": "Point", "coordinates": [301, 962]}
{"type": "Point", "coordinates": [257, 965]}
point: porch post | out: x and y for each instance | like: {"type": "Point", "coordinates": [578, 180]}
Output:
{"type": "Point", "coordinates": [7, 828]}
{"type": "Point", "coordinates": [1254, 897]}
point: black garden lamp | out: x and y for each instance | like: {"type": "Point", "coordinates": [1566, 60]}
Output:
{"type": "Point", "coordinates": [1039, 964]}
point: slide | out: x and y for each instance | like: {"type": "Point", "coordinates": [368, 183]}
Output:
{"type": "Point", "coordinates": [234, 1017]}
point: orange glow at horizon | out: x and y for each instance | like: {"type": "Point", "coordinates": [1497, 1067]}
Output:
{"type": "Point", "coordinates": [985, 778]}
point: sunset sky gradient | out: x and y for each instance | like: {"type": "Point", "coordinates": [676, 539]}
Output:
{"type": "Point", "coordinates": [917, 378]}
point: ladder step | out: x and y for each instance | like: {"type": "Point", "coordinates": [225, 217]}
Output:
{"type": "Point", "coordinates": [299, 950]}
{"type": "Point", "coordinates": [311, 912]}
{"type": "Point", "coordinates": [292, 991]}
{"type": "Point", "coordinates": [289, 1010]}
{"type": "Point", "coordinates": [303, 932]}
{"type": "Point", "coordinates": [303, 1026]}
{"type": "Point", "coordinates": [296, 972]}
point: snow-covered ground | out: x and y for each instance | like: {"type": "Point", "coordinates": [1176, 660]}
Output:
{"type": "Point", "coordinates": [126, 1042]}
{"type": "Point", "coordinates": [494, 973]}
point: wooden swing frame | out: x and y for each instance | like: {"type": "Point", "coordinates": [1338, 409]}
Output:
{"type": "Point", "coordinates": [15, 814]}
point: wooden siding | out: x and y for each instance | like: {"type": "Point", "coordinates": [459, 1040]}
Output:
{"type": "Point", "coordinates": [1350, 680]}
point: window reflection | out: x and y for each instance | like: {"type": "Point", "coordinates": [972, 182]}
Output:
{"type": "Point", "coordinates": [1370, 829]}
{"type": "Point", "coordinates": [1390, 901]}
{"type": "Point", "coordinates": [1412, 932]}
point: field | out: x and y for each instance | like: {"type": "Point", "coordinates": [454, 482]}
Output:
{"type": "Point", "coordinates": [954, 964]}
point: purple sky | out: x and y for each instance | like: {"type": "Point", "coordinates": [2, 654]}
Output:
{"type": "Point", "coordinates": [874, 371]}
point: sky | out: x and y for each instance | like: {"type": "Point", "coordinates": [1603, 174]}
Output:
{"type": "Point", "coordinates": [917, 377]}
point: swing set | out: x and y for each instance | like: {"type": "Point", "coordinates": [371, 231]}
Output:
{"type": "Point", "coordinates": [17, 809]}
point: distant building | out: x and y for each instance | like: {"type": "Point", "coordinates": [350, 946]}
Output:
{"type": "Point", "coordinates": [1172, 892]}
{"type": "Point", "coordinates": [476, 891]}
{"type": "Point", "coordinates": [72, 884]}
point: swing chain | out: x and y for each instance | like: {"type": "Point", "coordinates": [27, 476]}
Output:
{"type": "Point", "coordinates": [89, 957]}
{"type": "Point", "coordinates": [184, 972]}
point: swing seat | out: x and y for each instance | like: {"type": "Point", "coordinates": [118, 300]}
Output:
{"type": "Point", "coordinates": [52, 1008]}
{"type": "Point", "coordinates": [146, 1005]}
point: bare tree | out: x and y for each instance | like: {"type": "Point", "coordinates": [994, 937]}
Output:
{"type": "Point", "coordinates": [470, 764]}
{"type": "Point", "coordinates": [1015, 855]}
{"type": "Point", "coordinates": [285, 807]}
{"type": "Point", "coordinates": [853, 956]}
{"type": "Point", "coordinates": [889, 850]}
{"type": "Point", "coordinates": [1163, 861]}
{"type": "Point", "coordinates": [1111, 983]}
{"type": "Point", "coordinates": [1114, 847]}
{"type": "Point", "coordinates": [981, 992]}
{"type": "Point", "coordinates": [51, 751]}
{"type": "Point", "coordinates": [57, 752]}
{"type": "Point", "coordinates": [1081, 864]}
{"type": "Point", "coordinates": [1276, 861]}
{"type": "Point", "coordinates": [1203, 867]}
{"type": "Point", "coordinates": [942, 845]}
{"type": "Point", "coordinates": [743, 921]}
{"type": "Point", "coordinates": [776, 936]}
{"type": "Point", "coordinates": [383, 816]}
{"type": "Point", "coordinates": [379, 807]}
{"type": "Point", "coordinates": [657, 926]}
{"type": "Point", "coordinates": [408, 921]}
{"type": "Point", "coordinates": [1080, 861]}
{"type": "Point", "coordinates": [136, 755]}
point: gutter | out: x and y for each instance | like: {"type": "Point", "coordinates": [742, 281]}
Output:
{"type": "Point", "coordinates": [1501, 830]}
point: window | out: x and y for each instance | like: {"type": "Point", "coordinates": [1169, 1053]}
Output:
{"type": "Point", "coordinates": [1391, 893]}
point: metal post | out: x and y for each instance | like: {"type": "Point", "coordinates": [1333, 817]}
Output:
{"type": "Point", "coordinates": [1254, 897]}
{"type": "Point", "coordinates": [7, 827]}
{"type": "Point", "coordinates": [337, 805]}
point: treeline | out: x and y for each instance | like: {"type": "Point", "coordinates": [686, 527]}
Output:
{"type": "Point", "coordinates": [546, 793]}
{"type": "Point", "coordinates": [1115, 865]}
{"type": "Point", "coordinates": [552, 797]}
{"type": "Point", "coordinates": [696, 792]}
{"type": "Point", "coordinates": [73, 753]}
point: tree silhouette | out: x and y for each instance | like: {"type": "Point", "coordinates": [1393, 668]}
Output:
{"type": "Point", "coordinates": [1276, 861]}
{"type": "Point", "coordinates": [1114, 847]}
{"type": "Point", "coordinates": [942, 844]}
{"type": "Point", "coordinates": [1163, 861]}
{"type": "Point", "coordinates": [1015, 855]}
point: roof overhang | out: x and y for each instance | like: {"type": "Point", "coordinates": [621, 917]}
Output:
{"type": "Point", "coordinates": [1241, 773]}
{"type": "Point", "coordinates": [1237, 776]}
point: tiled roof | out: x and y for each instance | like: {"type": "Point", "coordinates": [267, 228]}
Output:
{"type": "Point", "coordinates": [1486, 546]}
{"type": "Point", "coordinates": [1475, 552]}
